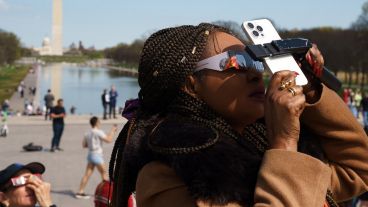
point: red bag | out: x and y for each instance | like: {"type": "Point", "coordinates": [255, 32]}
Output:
{"type": "Point", "coordinates": [103, 194]}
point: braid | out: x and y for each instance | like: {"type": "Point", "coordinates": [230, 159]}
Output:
{"type": "Point", "coordinates": [168, 57]}
{"type": "Point", "coordinates": [199, 111]}
{"type": "Point", "coordinates": [116, 159]}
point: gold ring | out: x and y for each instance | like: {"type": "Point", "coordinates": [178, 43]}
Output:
{"type": "Point", "coordinates": [292, 91]}
{"type": "Point", "coordinates": [285, 84]}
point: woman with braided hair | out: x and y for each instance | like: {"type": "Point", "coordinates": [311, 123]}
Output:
{"type": "Point", "coordinates": [207, 134]}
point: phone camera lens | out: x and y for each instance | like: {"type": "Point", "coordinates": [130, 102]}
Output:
{"type": "Point", "coordinates": [255, 33]}
{"type": "Point", "coordinates": [259, 28]}
{"type": "Point", "coordinates": [250, 25]}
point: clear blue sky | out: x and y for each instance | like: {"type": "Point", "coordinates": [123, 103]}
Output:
{"type": "Point", "coordinates": [105, 23]}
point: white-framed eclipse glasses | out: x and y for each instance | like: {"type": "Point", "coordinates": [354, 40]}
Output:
{"type": "Point", "coordinates": [238, 60]}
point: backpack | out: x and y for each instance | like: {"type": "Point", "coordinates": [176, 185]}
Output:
{"type": "Point", "coordinates": [31, 147]}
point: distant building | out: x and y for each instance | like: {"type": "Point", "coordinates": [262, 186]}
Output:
{"type": "Point", "coordinates": [46, 47]}
{"type": "Point", "coordinates": [54, 47]}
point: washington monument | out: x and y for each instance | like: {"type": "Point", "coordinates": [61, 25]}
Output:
{"type": "Point", "coordinates": [57, 27]}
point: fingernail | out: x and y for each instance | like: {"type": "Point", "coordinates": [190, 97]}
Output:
{"type": "Point", "coordinates": [309, 59]}
{"type": "Point", "coordinates": [296, 73]}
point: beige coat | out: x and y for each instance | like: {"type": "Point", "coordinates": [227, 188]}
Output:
{"type": "Point", "coordinates": [289, 179]}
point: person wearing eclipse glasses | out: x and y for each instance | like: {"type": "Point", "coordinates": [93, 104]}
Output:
{"type": "Point", "coordinates": [22, 186]}
{"type": "Point", "coordinates": [208, 133]}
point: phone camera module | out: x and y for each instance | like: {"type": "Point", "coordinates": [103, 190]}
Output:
{"type": "Point", "coordinates": [255, 33]}
{"type": "Point", "coordinates": [259, 28]}
{"type": "Point", "coordinates": [250, 25]}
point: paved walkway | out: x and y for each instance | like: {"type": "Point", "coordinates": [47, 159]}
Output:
{"type": "Point", "coordinates": [64, 170]}
{"type": "Point", "coordinates": [16, 102]}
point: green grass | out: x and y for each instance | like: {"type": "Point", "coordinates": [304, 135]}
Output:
{"type": "Point", "coordinates": [65, 58]}
{"type": "Point", "coordinates": [10, 77]}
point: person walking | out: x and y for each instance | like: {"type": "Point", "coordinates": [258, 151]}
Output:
{"type": "Point", "coordinates": [57, 114]}
{"type": "Point", "coordinates": [21, 91]}
{"type": "Point", "coordinates": [93, 140]}
{"type": "Point", "coordinates": [105, 98]}
{"type": "Point", "coordinates": [113, 96]}
{"type": "Point", "coordinates": [4, 129]}
{"type": "Point", "coordinates": [5, 106]}
{"type": "Point", "coordinates": [346, 96]}
{"type": "Point", "coordinates": [49, 102]}
{"type": "Point", "coordinates": [21, 88]}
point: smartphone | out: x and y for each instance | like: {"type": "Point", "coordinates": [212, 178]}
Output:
{"type": "Point", "coordinates": [261, 31]}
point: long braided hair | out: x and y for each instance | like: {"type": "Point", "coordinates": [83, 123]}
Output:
{"type": "Point", "coordinates": [167, 58]}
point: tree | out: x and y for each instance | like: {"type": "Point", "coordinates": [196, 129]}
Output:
{"type": "Point", "coordinates": [26, 52]}
{"type": "Point", "coordinates": [343, 49]}
{"type": "Point", "coordinates": [125, 53]}
{"type": "Point", "coordinates": [73, 50]}
{"type": "Point", "coordinates": [362, 22]}
{"type": "Point", "coordinates": [10, 47]}
{"type": "Point", "coordinates": [361, 26]}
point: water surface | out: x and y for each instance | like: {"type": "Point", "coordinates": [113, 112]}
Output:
{"type": "Point", "coordinates": [82, 86]}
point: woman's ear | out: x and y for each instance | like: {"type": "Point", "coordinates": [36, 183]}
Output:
{"type": "Point", "coordinates": [191, 85]}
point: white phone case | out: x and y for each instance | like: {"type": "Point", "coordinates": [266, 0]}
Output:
{"type": "Point", "coordinates": [262, 31]}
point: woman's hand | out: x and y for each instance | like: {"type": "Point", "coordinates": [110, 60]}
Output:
{"type": "Point", "coordinates": [284, 103]}
{"type": "Point", "coordinates": [41, 190]}
{"type": "Point", "coordinates": [313, 89]}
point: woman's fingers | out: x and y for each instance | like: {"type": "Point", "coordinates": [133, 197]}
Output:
{"type": "Point", "coordinates": [294, 90]}
{"type": "Point", "coordinates": [315, 60]}
{"type": "Point", "coordinates": [296, 102]}
{"type": "Point", "coordinates": [291, 99]}
{"type": "Point", "coordinates": [41, 191]}
{"type": "Point", "coordinates": [33, 179]}
{"type": "Point", "coordinates": [284, 75]}
{"type": "Point", "coordinates": [285, 102]}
